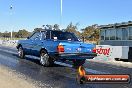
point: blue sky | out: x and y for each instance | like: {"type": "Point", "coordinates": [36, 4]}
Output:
{"type": "Point", "coordinates": [29, 14]}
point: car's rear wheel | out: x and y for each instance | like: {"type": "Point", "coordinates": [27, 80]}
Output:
{"type": "Point", "coordinates": [79, 62]}
{"type": "Point", "coordinates": [45, 59]}
{"type": "Point", "coordinates": [80, 80]}
{"type": "Point", "coordinates": [117, 59]}
{"type": "Point", "coordinates": [21, 52]}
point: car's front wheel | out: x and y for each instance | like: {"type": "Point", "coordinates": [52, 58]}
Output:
{"type": "Point", "coordinates": [21, 52]}
{"type": "Point", "coordinates": [45, 59]}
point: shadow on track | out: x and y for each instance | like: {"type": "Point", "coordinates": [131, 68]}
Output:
{"type": "Point", "coordinates": [36, 61]}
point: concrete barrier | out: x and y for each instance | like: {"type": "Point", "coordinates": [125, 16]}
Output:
{"type": "Point", "coordinates": [1, 41]}
{"type": "Point", "coordinates": [11, 43]}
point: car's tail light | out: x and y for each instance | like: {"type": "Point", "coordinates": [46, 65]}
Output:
{"type": "Point", "coordinates": [60, 48]}
{"type": "Point", "coordinates": [94, 50]}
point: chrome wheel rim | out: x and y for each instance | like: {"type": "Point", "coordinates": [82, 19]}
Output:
{"type": "Point", "coordinates": [20, 52]}
{"type": "Point", "coordinates": [44, 59]}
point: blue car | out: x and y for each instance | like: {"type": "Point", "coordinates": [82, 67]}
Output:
{"type": "Point", "coordinates": [53, 45]}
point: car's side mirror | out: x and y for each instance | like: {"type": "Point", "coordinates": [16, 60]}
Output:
{"type": "Point", "coordinates": [27, 37]}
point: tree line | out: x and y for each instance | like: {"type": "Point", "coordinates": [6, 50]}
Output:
{"type": "Point", "coordinates": [90, 33]}
{"type": "Point", "coordinates": [20, 34]}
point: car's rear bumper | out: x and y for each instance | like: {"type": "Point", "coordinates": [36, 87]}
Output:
{"type": "Point", "coordinates": [74, 55]}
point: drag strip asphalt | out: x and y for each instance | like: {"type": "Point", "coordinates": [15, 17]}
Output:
{"type": "Point", "coordinates": [61, 75]}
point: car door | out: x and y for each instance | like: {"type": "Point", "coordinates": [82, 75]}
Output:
{"type": "Point", "coordinates": [36, 44]}
{"type": "Point", "coordinates": [29, 44]}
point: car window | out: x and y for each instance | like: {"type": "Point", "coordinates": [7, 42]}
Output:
{"type": "Point", "coordinates": [48, 33]}
{"type": "Point", "coordinates": [43, 35]}
{"type": "Point", "coordinates": [59, 35]}
{"type": "Point", "coordinates": [35, 36]}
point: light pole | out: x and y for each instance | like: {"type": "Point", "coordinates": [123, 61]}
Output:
{"type": "Point", "coordinates": [61, 14]}
{"type": "Point", "coordinates": [11, 13]}
{"type": "Point", "coordinates": [10, 18]}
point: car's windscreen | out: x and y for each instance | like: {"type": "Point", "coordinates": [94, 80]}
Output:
{"type": "Point", "coordinates": [59, 35]}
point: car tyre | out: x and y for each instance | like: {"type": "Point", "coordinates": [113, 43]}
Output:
{"type": "Point", "coordinates": [80, 80]}
{"type": "Point", "coordinates": [117, 59]}
{"type": "Point", "coordinates": [79, 62]}
{"type": "Point", "coordinates": [21, 52]}
{"type": "Point", "coordinates": [45, 59]}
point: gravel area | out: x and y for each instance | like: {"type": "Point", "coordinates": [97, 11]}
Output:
{"type": "Point", "coordinates": [10, 79]}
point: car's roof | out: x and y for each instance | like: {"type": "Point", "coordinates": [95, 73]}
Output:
{"type": "Point", "coordinates": [43, 30]}
{"type": "Point", "coordinates": [46, 30]}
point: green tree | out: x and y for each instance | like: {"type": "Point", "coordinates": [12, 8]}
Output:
{"type": "Point", "coordinates": [22, 33]}
{"type": "Point", "coordinates": [0, 34]}
{"type": "Point", "coordinates": [14, 34]}
{"type": "Point", "coordinates": [6, 34]}
{"type": "Point", "coordinates": [56, 26]}
{"type": "Point", "coordinates": [49, 26]}
{"type": "Point", "coordinates": [37, 29]}
{"type": "Point", "coordinates": [73, 28]}
{"type": "Point", "coordinates": [91, 32]}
